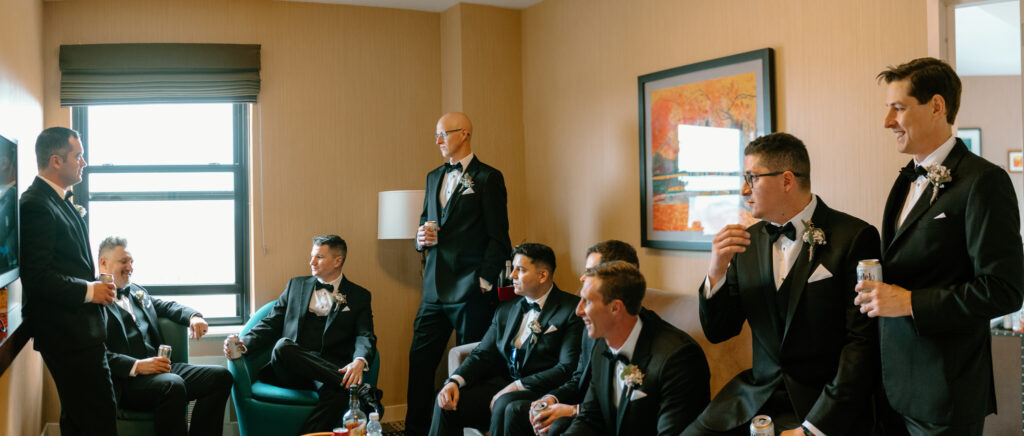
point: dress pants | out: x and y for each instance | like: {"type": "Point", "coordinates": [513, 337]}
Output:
{"type": "Point", "coordinates": [473, 409]}
{"type": "Point", "coordinates": [168, 395]}
{"type": "Point", "coordinates": [517, 420]}
{"type": "Point", "coordinates": [431, 330]}
{"type": "Point", "coordinates": [891, 423]}
{"type": "Point", "coordinates": [778, 407]}
{"type": "Point", "coordinates": [86, 393]}
{"type": "Point", "coordinates": [298, 368]}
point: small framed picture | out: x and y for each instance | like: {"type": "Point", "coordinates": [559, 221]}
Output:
{"type": "Point", "coordinates": [1015, 161]}
{"type": "Point", "coordinates": [972, 138]}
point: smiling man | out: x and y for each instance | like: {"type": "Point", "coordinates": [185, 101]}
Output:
{"type": "Point", "coordinates": [951, 260]}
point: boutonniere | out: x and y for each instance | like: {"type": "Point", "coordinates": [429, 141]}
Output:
{"type": "Point", "coordinates": [632, 375]}
{"type": "Point", "coordinates": [938, 176]}
{"type": "Point", "coordinates": [535, 330]}
{"type": "Point", "coordinates": [141, 296]}
{"type": "Point", "coordinates": [814, 237]}
{"type": "Point", "coordinates": [339, 300]}
{"type": "Point", "coordinates": [466, 181]}
{"type": "Point", "coordinates": [81, 210]}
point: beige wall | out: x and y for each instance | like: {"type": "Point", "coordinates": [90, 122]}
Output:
{"type": "Point", "coordinates": [21, 118]}
{"type": "Point", "coordinates": [581, 59]}
{"type": "Point", "coordinates": [993, 104]}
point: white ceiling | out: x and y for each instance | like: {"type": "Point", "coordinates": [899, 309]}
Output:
{"type": "Point", "coordinates": [988, 39]}
{"type": "Point", "coordinates": [427, 5]}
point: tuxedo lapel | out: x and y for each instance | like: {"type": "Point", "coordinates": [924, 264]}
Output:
{"type": "Point", "coordinates": [641, 358]}
{"type": "Point", "coordinates": [804, 265]}
{"type": "Point", "coordinates": [604, 377]}
{"type": "Point", "coordinates": [116, 310]}
{"type": "Point", "coordinates": [436, 180]}
{"type": "Point", "coordinates": [551, 306]}
{"type": "Point", "coordinates": [343, 288]}
{"type": "Point", "coordinates": [763, 280]}
{"type": "Point", "coordinates": [925, 201]}
{"type": "Point", "coordinates": [893, 207]}
{"type": "Point", "coordinates": [306, 293]}
{"type": "Point", "coordinates": [459, 188]}
{"type": "Point", "coordinates": [515, 316]}
{"type": "Point", "coordinates": [77, 224]}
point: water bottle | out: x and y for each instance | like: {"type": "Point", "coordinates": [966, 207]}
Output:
{"type": "Point", "coordinates": [374, 428]}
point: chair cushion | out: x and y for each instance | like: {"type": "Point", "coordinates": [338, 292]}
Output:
{"type": "Point", "coordinates": [273, 394]}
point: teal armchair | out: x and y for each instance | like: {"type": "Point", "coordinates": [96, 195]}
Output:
{"type": "Point", "coordinates": [263, 408]}
{"type": "Point", "coordinates": [131, 422]}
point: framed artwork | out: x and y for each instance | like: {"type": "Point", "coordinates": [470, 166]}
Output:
{"type": "Point", "coordinates": [971, 137]}
{"type": "Point", "coordinates": [1015, 161]}
{"type": "Point", "coordinates": [695, 121]}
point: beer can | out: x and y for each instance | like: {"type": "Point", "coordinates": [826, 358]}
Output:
{"type": "Point", "coordinates": [539, 407]}
{"type": "Point", "coordinates": [433, 226]}
{"type": "Point", "coordinates": [164, 351]}
{"type": "Point", "coordinates": [761, 425]}
{"type": "Point", "coordinates": [869, 269]}
{"type": "Point", "coordinates": [340, 431]}
{"type": "Point", "coordinates": [106, 278]}
{"type": "Point", "coordinates": [234, 346]}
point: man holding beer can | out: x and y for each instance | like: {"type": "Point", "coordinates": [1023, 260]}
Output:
{"type": "Point", "coordinates": [951, 255]}
{"type": "Point", "coordinates": [791, 277]}
{"type": "Point", "coordinates": [145, 376]}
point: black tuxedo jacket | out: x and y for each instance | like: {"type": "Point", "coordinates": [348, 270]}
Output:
{"type": "Point", "coordinates": [119, 354]}
{"type": "Point", "coordinates": [961, 258]}
{"type": "Point", "coordinates": [348, 333]}
{"type": "Point", "coordinates": [473, 240]}
{"type": "Point", "coordinates": [572, 391]}
{"type": "Point", "coordinates": [547, 363]}
{"type": "Point", "coordinates": [57, 267]}
{"type": "Point", "coordinates": [676, 383]}
{"type": "Point", "coordinates": [826, 357]}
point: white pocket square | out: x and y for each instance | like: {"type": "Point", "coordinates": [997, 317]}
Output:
{"type": "Point", "coordinates": [468, 191]}
{"type": "Point", "coordinates": [821, 273]}
{"type": "Point", "coordinates": [636, 395]}
{"type": "Point", "coordinates": [346, 309]}
{"type": "Point", "coordinates": [940, 216]}
{"type": "Point", "coordinates": [551, 329]}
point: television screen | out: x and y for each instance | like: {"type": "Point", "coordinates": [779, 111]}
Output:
{"type": "Point", "coordinates": [9, 237]}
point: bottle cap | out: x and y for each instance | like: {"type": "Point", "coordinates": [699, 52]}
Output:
{"type": "Point", "coordinates": [374, 416]}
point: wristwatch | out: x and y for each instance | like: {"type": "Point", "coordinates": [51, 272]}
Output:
{"type": "Point", "coordinates": [806, 431]}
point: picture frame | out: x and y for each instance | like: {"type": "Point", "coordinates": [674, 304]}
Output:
{"type": "Point", "coordinates": [1015, 161]}
{"type": "Point", "coordinates": [971, 137]}
{"type": "Point", "coordinates": [695, 121]}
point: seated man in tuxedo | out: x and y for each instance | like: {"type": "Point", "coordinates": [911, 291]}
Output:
{"type": "Point", "coordinates": [531, 347]}
{"type": "Point", "coordinates": [143, 381]}
{"type": "Point", "coordinates": [321, 331]}
{"type": "Point", "coordinates": [562, 403]}
{"type": "Point", "coordinates": [791, 277]}
{"type": "Point", "coordinates": [646, 376]}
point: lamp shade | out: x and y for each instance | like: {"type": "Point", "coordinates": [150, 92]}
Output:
{"type": "Point", "coordinates": [398, 214]}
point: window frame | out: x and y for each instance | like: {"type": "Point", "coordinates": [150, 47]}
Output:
{"type": "Point", "coordinates": [240, 172]}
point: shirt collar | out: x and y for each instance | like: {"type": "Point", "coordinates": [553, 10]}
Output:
{"type": "Point", "coordinates": [540, 301]}
{"type": "Point", "coordinates": [940, 154]}
{"type": "Point", "coordinates": [335, 283]}
{"type": "Point", "coordinates": [60, 191]}
{"type": "Point", "coordinates": [804, 215]}
{"type": "Point", "coordinates": [628, 347]}
{"type": "Point", "coordinates": [465, 161]}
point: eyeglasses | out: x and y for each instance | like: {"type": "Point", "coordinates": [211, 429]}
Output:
{"type": "Point", "coordinates": [750, 178]}
{"type": "Point", "coordinates": [445, 134]}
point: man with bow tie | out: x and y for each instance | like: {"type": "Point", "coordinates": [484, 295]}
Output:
{"type": "Point", "coordinates": [143, 381]}
{"type": "Point", "coordinates": [64, 302]}
{"type": "Point", "coordinates": [951, 261]}
{"type": "Point", "coordinates": [646, 376]}
{"type": "Point", "coordinates": [465, 254]}
{"type": "Point", "coordinates": [321, 331]}
{"type": "Point", "coordinates": [532, 346]}
{"type": "Point", "coordinates": [791, 277]}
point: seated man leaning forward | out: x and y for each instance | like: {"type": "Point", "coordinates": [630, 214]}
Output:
{"type": "Point", "coordinates": [321, 329]}
{"type": "Point", "coordinates": [646, 377]}
{"type": "Point", "coordinates": [531, 347]}
{"type": "Point", "coordinates": [143, 381]}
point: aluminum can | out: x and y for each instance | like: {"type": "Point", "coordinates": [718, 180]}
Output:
{"type": "Point", "coordinates": [539, 407]}
{"type": "Point", "coordinates": [869, 269]}
{"type": "Point", "coordinates": [234, 347]}
{"type": "Point", "coordinates": [433, 226]}
{"type": "Point", "coordinates": [761, 425]}
{"type": "Point", "coordinates": [106, 278]}
{"type": "Point", "coordinates": [340, 431]}
{"type": "Point", "coordinates": [164, 351]}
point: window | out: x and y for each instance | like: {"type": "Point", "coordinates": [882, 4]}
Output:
{"type": "Point", "coordinates": [171, 178]}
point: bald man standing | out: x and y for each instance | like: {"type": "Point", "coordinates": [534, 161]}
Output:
{"type": "Point", "coordinates": [468, 201]}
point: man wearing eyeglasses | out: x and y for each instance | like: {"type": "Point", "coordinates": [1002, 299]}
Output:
{"type": "Point", "coordinates": [465, 252]}
{"type": "Point", "coordinates": [791, 276]}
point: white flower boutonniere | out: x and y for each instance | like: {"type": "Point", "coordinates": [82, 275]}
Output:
{"type": "Point", "coordinates": [814, 237]}
{"type": "Point", "coordinates": [81, 210]}
{"type": "Point", "coordinates": [632, 375]}
{"type": "Point", "coordinates": [141, 296]}
{"type": "Point", "coordinates": [535, 330]}
{"type": "Point", "coordinates": [938, 176]}
{"type": "Point", "coordinates": [339, 300]}
{"type": "Point", "coordinates": [466, 181]}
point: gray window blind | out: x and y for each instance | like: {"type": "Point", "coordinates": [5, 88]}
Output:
{"type": "Point", "coordinates": [95, 74]}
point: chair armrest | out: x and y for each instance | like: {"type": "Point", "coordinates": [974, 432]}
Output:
{"type": "Point", "coordinates": [176, 335]}
{"type": "Point", "coordinates": [242, 387]}
{"type": "Point", "coordinates": [459, 354]}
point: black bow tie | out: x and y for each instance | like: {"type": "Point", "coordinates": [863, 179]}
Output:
{"type": "Point", "coordinates": [528, 306]}
{"type": "Point", "coordinates": [775, 231]}
{"type": "Point", "coordinates": [68, 195]}
{"type": "Point", "coordinates": [453, 167]}
{"type": "Point", "coordinates": [123, 292]}
{"type": "Point", "coordinates": [911, 174]}
{"type": "Point", "coordinates": [321, 285]}
{"type": "Point", "coordinates": [614, 357]}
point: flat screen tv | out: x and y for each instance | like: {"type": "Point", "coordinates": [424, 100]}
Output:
{"type": "Point", "coordinates": [9, 236]}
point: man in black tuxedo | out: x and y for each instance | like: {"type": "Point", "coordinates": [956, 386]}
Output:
{"type": "Point", "coordinates": [951, 261]}
{"type": "Point", "coordinates": [646, 377]}
{"type": "Point", "coordinates": [143, 381]}
{"type": "Point", "coordinates": [532, 346]}
{"type": "Point", "coordinates": [562, 403]}
{"type": "Point", "coordinates": [791, 277]}
{"type": "Point", "coordinates": [63, 302]}
{"type": "Point", "coordinates": [467, 200]}
{"type": "Point", "coordinates": [321, 329]}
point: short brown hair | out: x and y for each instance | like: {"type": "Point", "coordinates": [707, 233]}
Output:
{"type": "Point", "coordinates": [781, 151]}
{"type": "Point", "coordinates": [620, 281]}
{"type": "Point", "coordinates": [613, 249]}
{"type": "Point", "coordinates": [928, 77]}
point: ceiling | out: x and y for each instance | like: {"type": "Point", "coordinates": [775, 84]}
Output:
{"type": "Point", "coordinates": [426, 5]}
{"type": "Point", "coordinates": [988, 38]}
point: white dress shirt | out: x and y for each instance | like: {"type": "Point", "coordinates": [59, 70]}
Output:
{"type": "Point", "coordinates": [626, 350]}
{"type": "Point", "coordinates": [451, 180]}
{"type": "Point", "coordinates": [918, 187]}
{"type": "Point", "coordinates": [321, 300]}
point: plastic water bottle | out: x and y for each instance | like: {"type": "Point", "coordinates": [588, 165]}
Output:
{"type": "Point", "coordinates": [373, 428]}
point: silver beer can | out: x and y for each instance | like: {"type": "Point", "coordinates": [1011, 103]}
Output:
{"type": "Point", "coordinates": [106, 278]}
{"type": "Point", "coordinates": [433, 226]}
{"type": "Point", "coordinates": [164, 351]}
{"type": "Point", "coordinates": [869, 269]}
{"type": "Point", "coordinates": [761, 425]}
{"type": "Point", "coordinates": [539, 407]}
{"type": "Point", "coordinates": [234, 347]}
